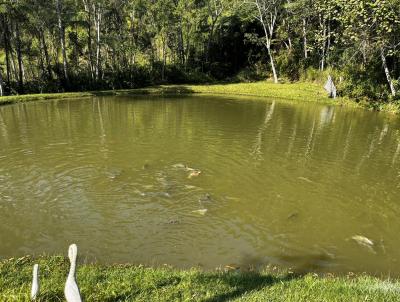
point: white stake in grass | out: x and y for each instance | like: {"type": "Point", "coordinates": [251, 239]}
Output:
{"type": "Point", "coordinates": [71, 289]}
{"type": "Point", "coordinates": [35, 282]}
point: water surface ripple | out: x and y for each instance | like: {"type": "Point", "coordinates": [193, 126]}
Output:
{"type": "Point", "coordinates": [281, 184]}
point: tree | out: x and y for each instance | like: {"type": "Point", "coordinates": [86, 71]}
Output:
{"type": "Point", "coordinates": [61, 29]}
{"type": "Point", "coordinates": [267, 13]}
{"type": "Point", "coordinates": [373, 27]}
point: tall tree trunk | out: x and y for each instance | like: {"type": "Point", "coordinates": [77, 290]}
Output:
{"type": "Point", "coordinates": [7, 50]}
{"type": "Point", "coordinates": [46, 55]}
{"type": "Point", "coordinates": [19, 58]}
{"type": "Point", "coordinates": [181, 49]}
{"type": "Point", "coordinates": [164, 47]}
{"type": "Point", "coordinates": [61, 30]}
{"type": "Point", "coordinates": [274, 73]}
{"type": "Point", "coordinates": [88, 11]}
{"type": "Point", "coordinates": [13, 65]}
{"type": "Point", "coordinates": [387, 73]}
{"type": "Point", "coordinates": [132, 40]}
{"type": "Point", "coordinates": [97, 22]}
{"type": "Point", "coordinates": [323, 54]}
{"type": "Point", "coordinates": [210, 36]}
{"type": "Point", "coordinates": [305, 38]}
{"type": "Point", "coordinates": [328, 43]}
{"type": "Point", "coordinates": [1, 83]}
{"type": "Point", "coordinates": [268, 32]}
{"type": "Point", "coordinates": [6, 43]}
{"type": "Point", "coordinates": [41, 55]}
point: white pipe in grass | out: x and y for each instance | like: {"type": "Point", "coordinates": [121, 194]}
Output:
{"type": "Point", "coordinates": [71, 289]}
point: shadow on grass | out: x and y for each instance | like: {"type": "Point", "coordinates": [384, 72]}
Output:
{"type": "Point", "coordinates": [230, 286]}
{"type": "Point", "coordinates": [242, 283]}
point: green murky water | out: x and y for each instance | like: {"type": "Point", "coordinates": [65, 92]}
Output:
{"type": "Point", "coordinates": [284, 184]}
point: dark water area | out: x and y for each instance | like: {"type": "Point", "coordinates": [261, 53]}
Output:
{"type": "Point", "coordinates": [202, 181]}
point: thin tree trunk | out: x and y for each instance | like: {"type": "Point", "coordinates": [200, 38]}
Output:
{"type": "Point", "coordinates": [305, 38]}
{"type": "Point", "coordinates": [19, 58]}
{"type": "Point", "coordinates": [181, 49]}
{"type": "Point", "coordinates": [269, 34]}
{"type": "Point", "coordinates": [387, 73]}
{"type": "Point", "coordinates": [328, 46]}
{"type": "Point", "coordinates": [132, 40]}
{"type": "Point", "coordinates": [273, 66]}
{"type": "Point", "coordinates": [41, 55]}
{"type": "Point", "coordinates": [1, 83]}
{"type": "Point", "coordinates": [164, 57]}
{"type": "Point", "coordinates": [88, 11]}
{"type": "Point", "coordinates": [6, 49]}
{"type": "Point", "coordinates": [97, 22]}
{"type": "Point", "coordinates": [61, 29]}
{"type": "Point", "coordinates": [13, 65]}
{"type": "Point", "coordinates": [322, 66]}
{"type": "Point", "coordinates": [210, 36]}
{"type": "Point", "coordinates": [46, 56]}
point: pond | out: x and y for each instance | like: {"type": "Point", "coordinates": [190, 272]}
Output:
{"type": "Point", "coordinates": [202, 181]}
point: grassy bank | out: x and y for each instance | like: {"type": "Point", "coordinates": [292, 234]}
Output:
{"type": "Point", "coordinates": [295, 92]}
{"type": "Point", "coordinates": [138, 283]}
{"type": "Point", "coordinates": [301, 91]}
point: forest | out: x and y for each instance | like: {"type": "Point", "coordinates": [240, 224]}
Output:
{"type": "Point", "coordinates": [80, 45]}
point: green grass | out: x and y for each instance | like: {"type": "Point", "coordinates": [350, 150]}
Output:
{"type": "Point", "coordinates": [294, 92]}
{"type": "Point", "coordinates": [138, 283]}
{"type": "Point", "coordinates": [300, 91]}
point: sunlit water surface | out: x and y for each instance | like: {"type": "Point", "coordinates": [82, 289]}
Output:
{"type": "Point", "coordinates": [283, 184]}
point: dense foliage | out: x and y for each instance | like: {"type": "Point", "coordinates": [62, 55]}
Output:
{"type": "Point", "coordinates": [69, 45]}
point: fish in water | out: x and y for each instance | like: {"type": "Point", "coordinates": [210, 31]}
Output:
{"type": "Point", "coordinates": [293, 215]}
{"type": "Point", "coordinates": [190, 187]}
{"type": "Point", "coordinates": [179, 166]}
{"type": "Point", "coordinates": [114, 173]}
{"type": "Point", "coordinates": [201, 211]}
{"type": "Point", "coordinates": [305, 179]}
{"type": "Point", "coordinates": [364, 241]}
{"type": "Point", "coordinates": [173, 221]}
{"type": "Point", "coordinates": [231, 267]}
{"type": "Point", "coordinates": [194, 173]}
{"type": "Point", "coordinates": [140, 193]}
{"type": "Point", "coordinates": [156, 194]}
{"type": "Point", "coordinates": [205, 198]}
